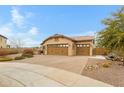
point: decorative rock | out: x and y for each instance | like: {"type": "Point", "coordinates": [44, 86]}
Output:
{"type": "Point", "coordinates": [91, 67]}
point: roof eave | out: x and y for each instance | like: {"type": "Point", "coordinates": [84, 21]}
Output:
{"type": "Point", "coordinates": [3, 36]}
{"type": "Point", "coordinates": [85, 40]}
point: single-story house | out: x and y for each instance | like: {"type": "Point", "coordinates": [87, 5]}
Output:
{"type": "Point", "coordinates": [3, 41]}
{"type": "Point", "coordinates": [63, 45]}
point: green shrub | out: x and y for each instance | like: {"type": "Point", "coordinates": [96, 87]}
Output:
{"type": "Point", "coordinates": [19, 57]}
{"type": "Point", "coordinates": [27, 55]}
{"type": "Point", "coordinates": [5, 59]}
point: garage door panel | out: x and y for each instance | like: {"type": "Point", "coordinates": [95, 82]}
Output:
{"type": "Point", "coordinates": [83, 49]}
{"type": "Point", "coordinates": [57, 49]}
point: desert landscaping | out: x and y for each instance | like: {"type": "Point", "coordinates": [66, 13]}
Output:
{"type": "Point", "coordinates": [110, 72]}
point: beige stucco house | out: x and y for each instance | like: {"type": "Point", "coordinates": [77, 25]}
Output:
{"type": "Point", "coordinates": [64, 45]}
{"type": "Point", "coordinates": [3, 41]}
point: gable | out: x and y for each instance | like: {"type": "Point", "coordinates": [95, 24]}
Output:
{"type": "Point", "coordinates": [57, 40]}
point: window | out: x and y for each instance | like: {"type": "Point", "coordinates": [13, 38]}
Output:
{"type": "Point", "coordinates": [88, 45]}
{"type": "Point", "coordinates": [66, 45]}
{"type": "Point", "coordinates": [81, 45]}
{"type": "Point", "coordinates": [60, 45]}
{"type": "Point", "coordinates": [84, 45]}
{"type": "Point", "coordinates": [78, 45]}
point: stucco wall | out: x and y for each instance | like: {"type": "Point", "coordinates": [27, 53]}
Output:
{"type": "Point", "coordinates": [3, 42]}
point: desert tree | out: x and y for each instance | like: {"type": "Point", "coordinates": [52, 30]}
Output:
{"type": "Point", "coordinates": [16, 42]}
{"type": "Point", "coordinates": [112, 36]}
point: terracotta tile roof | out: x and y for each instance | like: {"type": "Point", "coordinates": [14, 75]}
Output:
{"type": "Point", "coordinates": [3, 36]}
{"type": "Point", "coordinates": [79, 38]}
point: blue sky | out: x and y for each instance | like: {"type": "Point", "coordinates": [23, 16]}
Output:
{"type": "Point", "coordinates": [32, 24]}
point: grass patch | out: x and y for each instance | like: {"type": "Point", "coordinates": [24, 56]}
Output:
{"type": "Point", "coordinates": [2, 59]}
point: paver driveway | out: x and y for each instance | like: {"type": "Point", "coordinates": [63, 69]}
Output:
{"type": "Point", "coordinates": [24, 74]}
{"type": "Point", "coordinates": [70, 63]}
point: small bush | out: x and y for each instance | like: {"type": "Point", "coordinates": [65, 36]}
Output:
{"type": "Point", "coordinates": [19, 57]}
{"type": "Point", "coordinates": [27, 55]}
{"type": "Point", "coordinates": [110, 63]}
{"type": "Point", "coordinates": [106, 64]}
{"type": "Point", "coordinates": [5, 59]}
{"type": "Point", "coordinates": [28, 51]}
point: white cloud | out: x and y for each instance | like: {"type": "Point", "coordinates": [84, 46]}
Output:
{"type": "Point", "coordinates": [28, 37]}
{"type": "Point", "coordinates": [34, 31]}
{"type": "Point", "coordinates": [17, 18]}
{"type": "Point", "coordinates": [18, 21]}
{"type": "Point", "coordinates": [90, 33]}
{"type": "Point", "coordinates": [6, 30]}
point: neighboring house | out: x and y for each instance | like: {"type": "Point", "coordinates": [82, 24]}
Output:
{"type": "Point", "coordinates": [63, 45]}
{"type": "Point", "coordinates": [3, 41]}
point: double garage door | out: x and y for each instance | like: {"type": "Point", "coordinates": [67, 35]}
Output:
{"type": "Point", "coordinates": [83, 49]}
{"type": "Point", "coordinates": [57, 49]}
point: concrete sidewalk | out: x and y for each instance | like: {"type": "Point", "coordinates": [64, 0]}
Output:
{"type": "Point", "coordinates": [30, 75]}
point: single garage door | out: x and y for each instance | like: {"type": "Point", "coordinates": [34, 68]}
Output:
{"type": "Point", "coordinates": [57, 49]}
{"type": "Point", "coordinates": [83, 49]}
